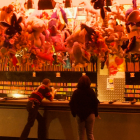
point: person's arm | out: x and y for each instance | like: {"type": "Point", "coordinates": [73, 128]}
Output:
{"type": "Point", "coordinates": [49, 94]}
{"type": "Point", "coordinates": [53, 92]}
{"type": "Point", "coordinates": [95, 103]}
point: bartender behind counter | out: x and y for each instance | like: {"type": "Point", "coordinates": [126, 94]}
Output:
{"type": "Point", "coordinates": [35, 100]}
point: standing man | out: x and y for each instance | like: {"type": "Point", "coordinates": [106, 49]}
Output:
{"type": "Point", "coordinates": [32, 107]}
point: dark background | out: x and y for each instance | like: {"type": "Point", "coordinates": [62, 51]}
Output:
{"type": "Point", "coordinates": [68, 77]}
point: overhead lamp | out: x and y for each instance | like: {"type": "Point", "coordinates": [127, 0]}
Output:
{"type": "Point", "coordinates": [58, 74]}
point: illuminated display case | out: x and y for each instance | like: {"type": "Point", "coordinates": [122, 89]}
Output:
{"type": "Point", "coordinates": [64, 80]}
{"type": "Point", "coordinates": [132, 78]}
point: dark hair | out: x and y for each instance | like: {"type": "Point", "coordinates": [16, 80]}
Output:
{"type": "Point", "coordinates": [84, 82]}
{"type": "Point", "coordinates": [46, 81]}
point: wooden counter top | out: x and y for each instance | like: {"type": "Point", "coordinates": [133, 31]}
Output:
{"type": "Point", "coordinates": [125, 107]}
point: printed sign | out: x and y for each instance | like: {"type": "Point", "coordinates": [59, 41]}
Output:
{"type": "Point", "coordinates": [110, 84]}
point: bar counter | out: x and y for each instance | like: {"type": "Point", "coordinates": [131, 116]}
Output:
{"type": "Point", "coordinates": [63, 105]}
{"type": "Point", "coordinates": [119, 120]}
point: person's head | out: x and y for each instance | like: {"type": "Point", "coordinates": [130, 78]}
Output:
{"type": "Point", "coordinates": [46, 82]}
{"type": "Point", "coordinates": [84, 82]}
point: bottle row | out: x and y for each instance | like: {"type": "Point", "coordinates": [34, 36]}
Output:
{"type": "Point", "coordinates": [132, 90]}
{"type": "Point", "coordinates": [132, 95]}
{"type": "Point", "coordinates": [28, 90]}
{"type": "Point", "coordinates": [132, 86]}
{"type": "Point", "coordinates": [25, 92]}
{"type": "Point", "coordinates": [24, 84]}
{"type": "Point", "coordinates": [14, 88]}
{"type": "Point", "coordinates": [67, 91]}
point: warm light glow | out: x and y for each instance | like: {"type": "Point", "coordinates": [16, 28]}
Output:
{"type": "Point", "coordinates": [58, 74]}
{"type": "Point", "coordinates": [16, 95]}
{"type": "Point", "coordinates": [7, 2]}
{"type": "Point", "coordinates": [83, 73]}
{"type": "Point", "coordinates": [76, 2]}
{"type": "Point", "coordinates": [29, 12]}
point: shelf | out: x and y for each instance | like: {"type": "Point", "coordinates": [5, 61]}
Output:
{"type": "Point", "coordinates": [133, 88]}
{"type": "Point", "coordinates": [39, 84]}
{"type": "Point", "coordinates": [131, 93]}
{"type": "Point", "coordinates": [133, 97]}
